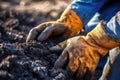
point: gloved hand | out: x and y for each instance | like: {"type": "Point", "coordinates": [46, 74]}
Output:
{"type": "Point", "coordinates": [82, 53]}
{"type": "Point", "coordinates": [67, 26]}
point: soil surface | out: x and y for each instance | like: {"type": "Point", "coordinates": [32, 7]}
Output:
{"type": "Point", "coordinates": [31, 61]}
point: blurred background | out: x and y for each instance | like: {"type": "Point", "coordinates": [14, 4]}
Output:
{"type": "Point", "coordinates": [51, 7]}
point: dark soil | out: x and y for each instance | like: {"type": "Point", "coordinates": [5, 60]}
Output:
{"type": "Point", "coordinates": [31, 61]}
{"type": "Point", "coordinates": [21, 61]}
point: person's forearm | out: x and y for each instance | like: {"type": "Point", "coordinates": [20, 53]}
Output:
{"type": "Point", "coordinates": [86, 8]}
{"type": "Point", "coordinates": [113, 27]}
{"type": "Point", "coordinates": [106, 70]}
{"type": "Point", "coordinates": [112, 57]}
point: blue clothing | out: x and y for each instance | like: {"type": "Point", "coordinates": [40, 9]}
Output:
{"type": "Point", "coordinates": [115, 70]}
{"type": "Point", "coordinates": [103, 9]}
{"type": "Point", "coordinates": [86, 9]}
{"type": "Point", "coordinates": [91, 12]}
{"type": "Point", "coordinates": [113, 27]}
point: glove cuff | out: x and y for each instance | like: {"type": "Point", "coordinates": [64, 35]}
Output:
{"type": "Point", "coordinates": [72, 21]}
{"type": "Point", "coordinates": [98, 37]}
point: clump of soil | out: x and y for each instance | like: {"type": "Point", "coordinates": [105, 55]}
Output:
{"type": "Point", "coordinates": [14, 26]}
{"type": "Point", "coordinates": [31, 61]}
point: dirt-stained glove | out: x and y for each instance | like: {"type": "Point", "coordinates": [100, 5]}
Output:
{"type": "Point", "coordinates": [82, 53]}
{"type": "Point", "coordinates": [67, 26]}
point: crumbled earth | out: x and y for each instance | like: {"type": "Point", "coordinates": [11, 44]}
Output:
{"type": "Point", "coordinates": [33, 60]}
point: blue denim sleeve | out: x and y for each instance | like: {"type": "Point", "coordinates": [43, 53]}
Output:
{"type": "Point", "coordinates": [113, 27]}
{"type": "Point", "coordinates": [86, 9]}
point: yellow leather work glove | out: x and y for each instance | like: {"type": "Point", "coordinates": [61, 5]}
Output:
{"type": "Point", "coordinates": [82, 53]}
{"type": "Point", "coordinates": [67, 26]}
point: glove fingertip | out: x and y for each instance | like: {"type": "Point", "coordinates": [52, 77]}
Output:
{"type": "Point", "coordinates": [56, 48]}
{"type": "Point", "coordinates": [62, 60]}
{"type": "Point", "coordinates": [32, 34]}
{"type": "Point", "coordinates": [45, 34]}
{"type": "Point", "coordinates": [40, 38]}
